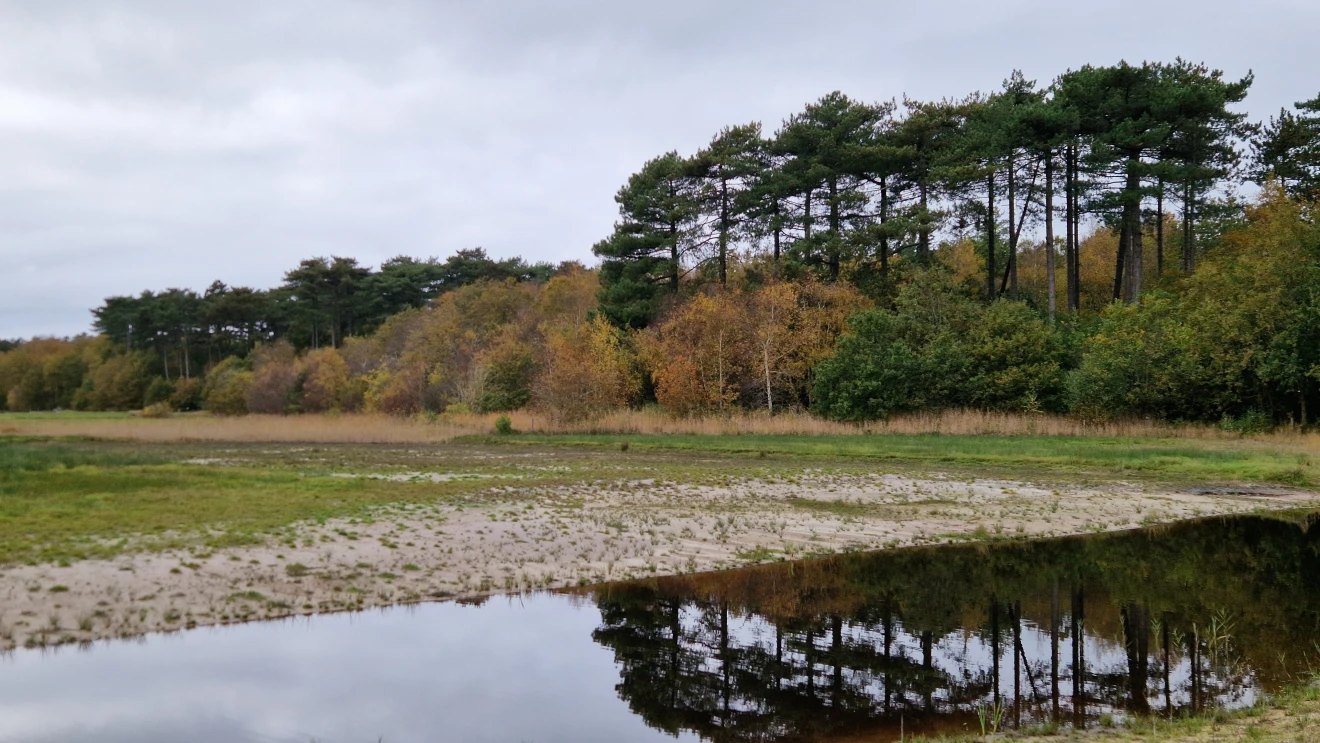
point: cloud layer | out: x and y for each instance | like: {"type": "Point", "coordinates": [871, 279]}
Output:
{"type": "Point", "coordinates": [155, 144]}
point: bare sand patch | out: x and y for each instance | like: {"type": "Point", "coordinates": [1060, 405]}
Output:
{"type": "Point", "coordinates": [523, 537]}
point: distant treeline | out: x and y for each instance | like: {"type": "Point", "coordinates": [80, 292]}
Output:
{"type": "Point", "coordinates": [321, 302]}
{"type": "Point", "coordinates": [989, 252]}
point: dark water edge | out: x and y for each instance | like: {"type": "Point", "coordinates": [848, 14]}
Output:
{"type": "Point", "coordinates": [1167, 621]}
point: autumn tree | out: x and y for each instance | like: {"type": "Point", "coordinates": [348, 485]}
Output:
{"type": "Point", "coordinates": [697, 354]}
{"type": "Point", "coordinates": [588, 370]}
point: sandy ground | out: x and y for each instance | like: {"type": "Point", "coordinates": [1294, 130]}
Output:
{"type": "Point", "coordinates": [548, 537]}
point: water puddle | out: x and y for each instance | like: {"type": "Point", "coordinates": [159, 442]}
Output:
{"type": "Point", "coordinates": [856, 648]}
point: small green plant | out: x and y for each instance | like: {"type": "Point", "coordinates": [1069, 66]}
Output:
{"type": "Point", "coordinates": [1251, 422]}
{"type": "Point", "coordinates": [990, 716]}
{"type": "Point", "coordinates": [59, 589]}
{"type": "Point", "coordinates": [503, 426]}
{"type": "Point", "coordinates": [296, 570]}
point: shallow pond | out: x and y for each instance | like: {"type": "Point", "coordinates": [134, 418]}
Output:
{"type": "Point", "coordinates": [859, 647]}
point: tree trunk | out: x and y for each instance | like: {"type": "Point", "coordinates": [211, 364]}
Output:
{"type": "Point", "coordinates": [724, 232]}
{"type": "Point", "coordinates": [778, 228]}
{"type": "Point", "coordinates": [673, 256]}
{"type": "Point", "coordinates": [1049, 231]}
{"type": "Point", "coordinates": [884, 235]}
{"type": "Point", "coordinates": [1012, 224]}
{"type": "Point", "coordinates": [990, 239]}
{"type": "Point", "coordinates": [1134, 264]}
{"type": "Point", "coordinates": [1132, 218]}
{"type": "Point", "coordinates": [1118, 260]}
{"type": "Point", "coordinates": [1071, 216]}
{"type": "Point", "coordinates": [806, 216]}
{"type": "Point", "coordinates": [831, 253]}
{"type": "Point", "coordinates": [1189, 245]}
{"type": "Point", "coordinates": [1159, 229]}
{"type": "Point", "coordinates": [769, 391]}
{"type": "Point", "coordinates": [923, 227]}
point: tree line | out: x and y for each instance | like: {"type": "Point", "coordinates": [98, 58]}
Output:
{"type": "Point", "coordinates": [320, 303]}
{"type": "Point", "coordinates": [865, 260]}
{"type": "Point", "coordinates": [847, 188]}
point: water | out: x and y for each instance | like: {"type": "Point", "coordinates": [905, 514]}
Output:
{"type": "Point", "coordinates": [860, 647]}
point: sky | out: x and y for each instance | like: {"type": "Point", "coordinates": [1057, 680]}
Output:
{"type": "Point", "coordinates": [157, 144]}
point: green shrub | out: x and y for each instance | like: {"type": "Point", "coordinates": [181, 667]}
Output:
{"type": "Point", "coordinates": [160, 390]}
{"type": "Point", "coordinates": [227, 387]}
{"type": "Point", "coordinates": [1137, 363]}
{"type": "Point", "coordinates": [1251, 422]}
{"type": "Point", "coordinates": [939, 348]}
{"type": "Point", "coordinates": [503, 426]}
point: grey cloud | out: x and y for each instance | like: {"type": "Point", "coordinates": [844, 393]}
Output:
{"type": "Point", "coordinates": [153, 144]}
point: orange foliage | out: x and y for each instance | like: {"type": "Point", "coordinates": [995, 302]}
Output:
{"type": "Point", "coordinates": [588, 371]}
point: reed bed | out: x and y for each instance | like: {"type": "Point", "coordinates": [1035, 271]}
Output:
{"type": "Point", "coordinates": [382, 429]}
{"type": "Point", "coordinates": [950, 422]}
{"type": "Point", "coordinates": [328, 429]}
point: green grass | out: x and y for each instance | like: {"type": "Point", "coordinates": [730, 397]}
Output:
{"type": "Point", "coordinates": [62, 501]}
{"type": "Point", "coordinates": [1178, 459]}
{"type": "Point", "coordinates": [65, 415]}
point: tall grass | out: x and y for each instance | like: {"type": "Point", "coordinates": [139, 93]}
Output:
{"type": "Point", "coordinates": [346, 429]}
{"type": "Point", "coordinates": [951, 422]}
{"type": "Point", "coordinates": [365, 428]}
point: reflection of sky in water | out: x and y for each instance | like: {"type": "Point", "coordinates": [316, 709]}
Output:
{"type": "Point", "coordinates": [694, 653]}
{"type": "Point", "coordinates": [519, 670]}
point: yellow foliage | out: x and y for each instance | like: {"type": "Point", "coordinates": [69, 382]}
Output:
{"type": "Point", "coordinates": [326, 384]}
{"type": "Point", "coordinates": [588, 371]}
{"type": "Point", "coordinates": [697, 355]}
{"type": "Point", "coordinates": [758, 346]}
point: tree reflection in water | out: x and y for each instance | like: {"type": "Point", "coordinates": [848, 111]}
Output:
{"type": "Point", "coordinates": [859, 647]}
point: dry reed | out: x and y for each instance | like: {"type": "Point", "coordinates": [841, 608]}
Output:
{"type": "Point", "coordinates": [345, 429]}
{"type": "Point", "coordinates": [380, 429]}
{"type": "Point", "coordinates": [951, 422]}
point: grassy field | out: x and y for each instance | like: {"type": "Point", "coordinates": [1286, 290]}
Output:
{"type": "Point", "coordinates": [1165, 459]}
{"type": "Point", "coordinates": [99, 491]}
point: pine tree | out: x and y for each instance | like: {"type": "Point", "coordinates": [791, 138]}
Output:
{"type": "Point", "coordinates": [1288, 149]}
{"type": "Point", "coordinates": [643, 259]}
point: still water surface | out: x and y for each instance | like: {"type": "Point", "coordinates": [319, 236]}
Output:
{"type": "Point", "coordinates": [851, 648]}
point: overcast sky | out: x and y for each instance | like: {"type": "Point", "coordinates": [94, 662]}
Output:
{"type": "Point", "coordinates": [161, 144]}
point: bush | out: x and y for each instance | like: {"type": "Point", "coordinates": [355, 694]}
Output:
{"type": "Point", "coordinates": [188, 394]}
{"type": "Point", "coordinates": [160, 390]}
{"type": "Point", "coordinates": [1137, 363]}
{"type": "Point", "coordinates": [401, 392]}
{"type": "Point", "coordinates": [120, 383]}
{"type": "Point", "coordinates": [275, 377]}
{"type": "Point", "coordinates": [326, 384]}
{"type": "Point", "coordinates": [503, 426]}
{"type": "Point", "coordinates": [1252, 422]}
{"type": "Point", "coordinates": [874, 373]}
{"type": "Point", "coordinates": [227, 387]}
{"type": "Point", "coordinates": [940, 349]}
{"type": "Point", "coordinates": [157, 410]}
